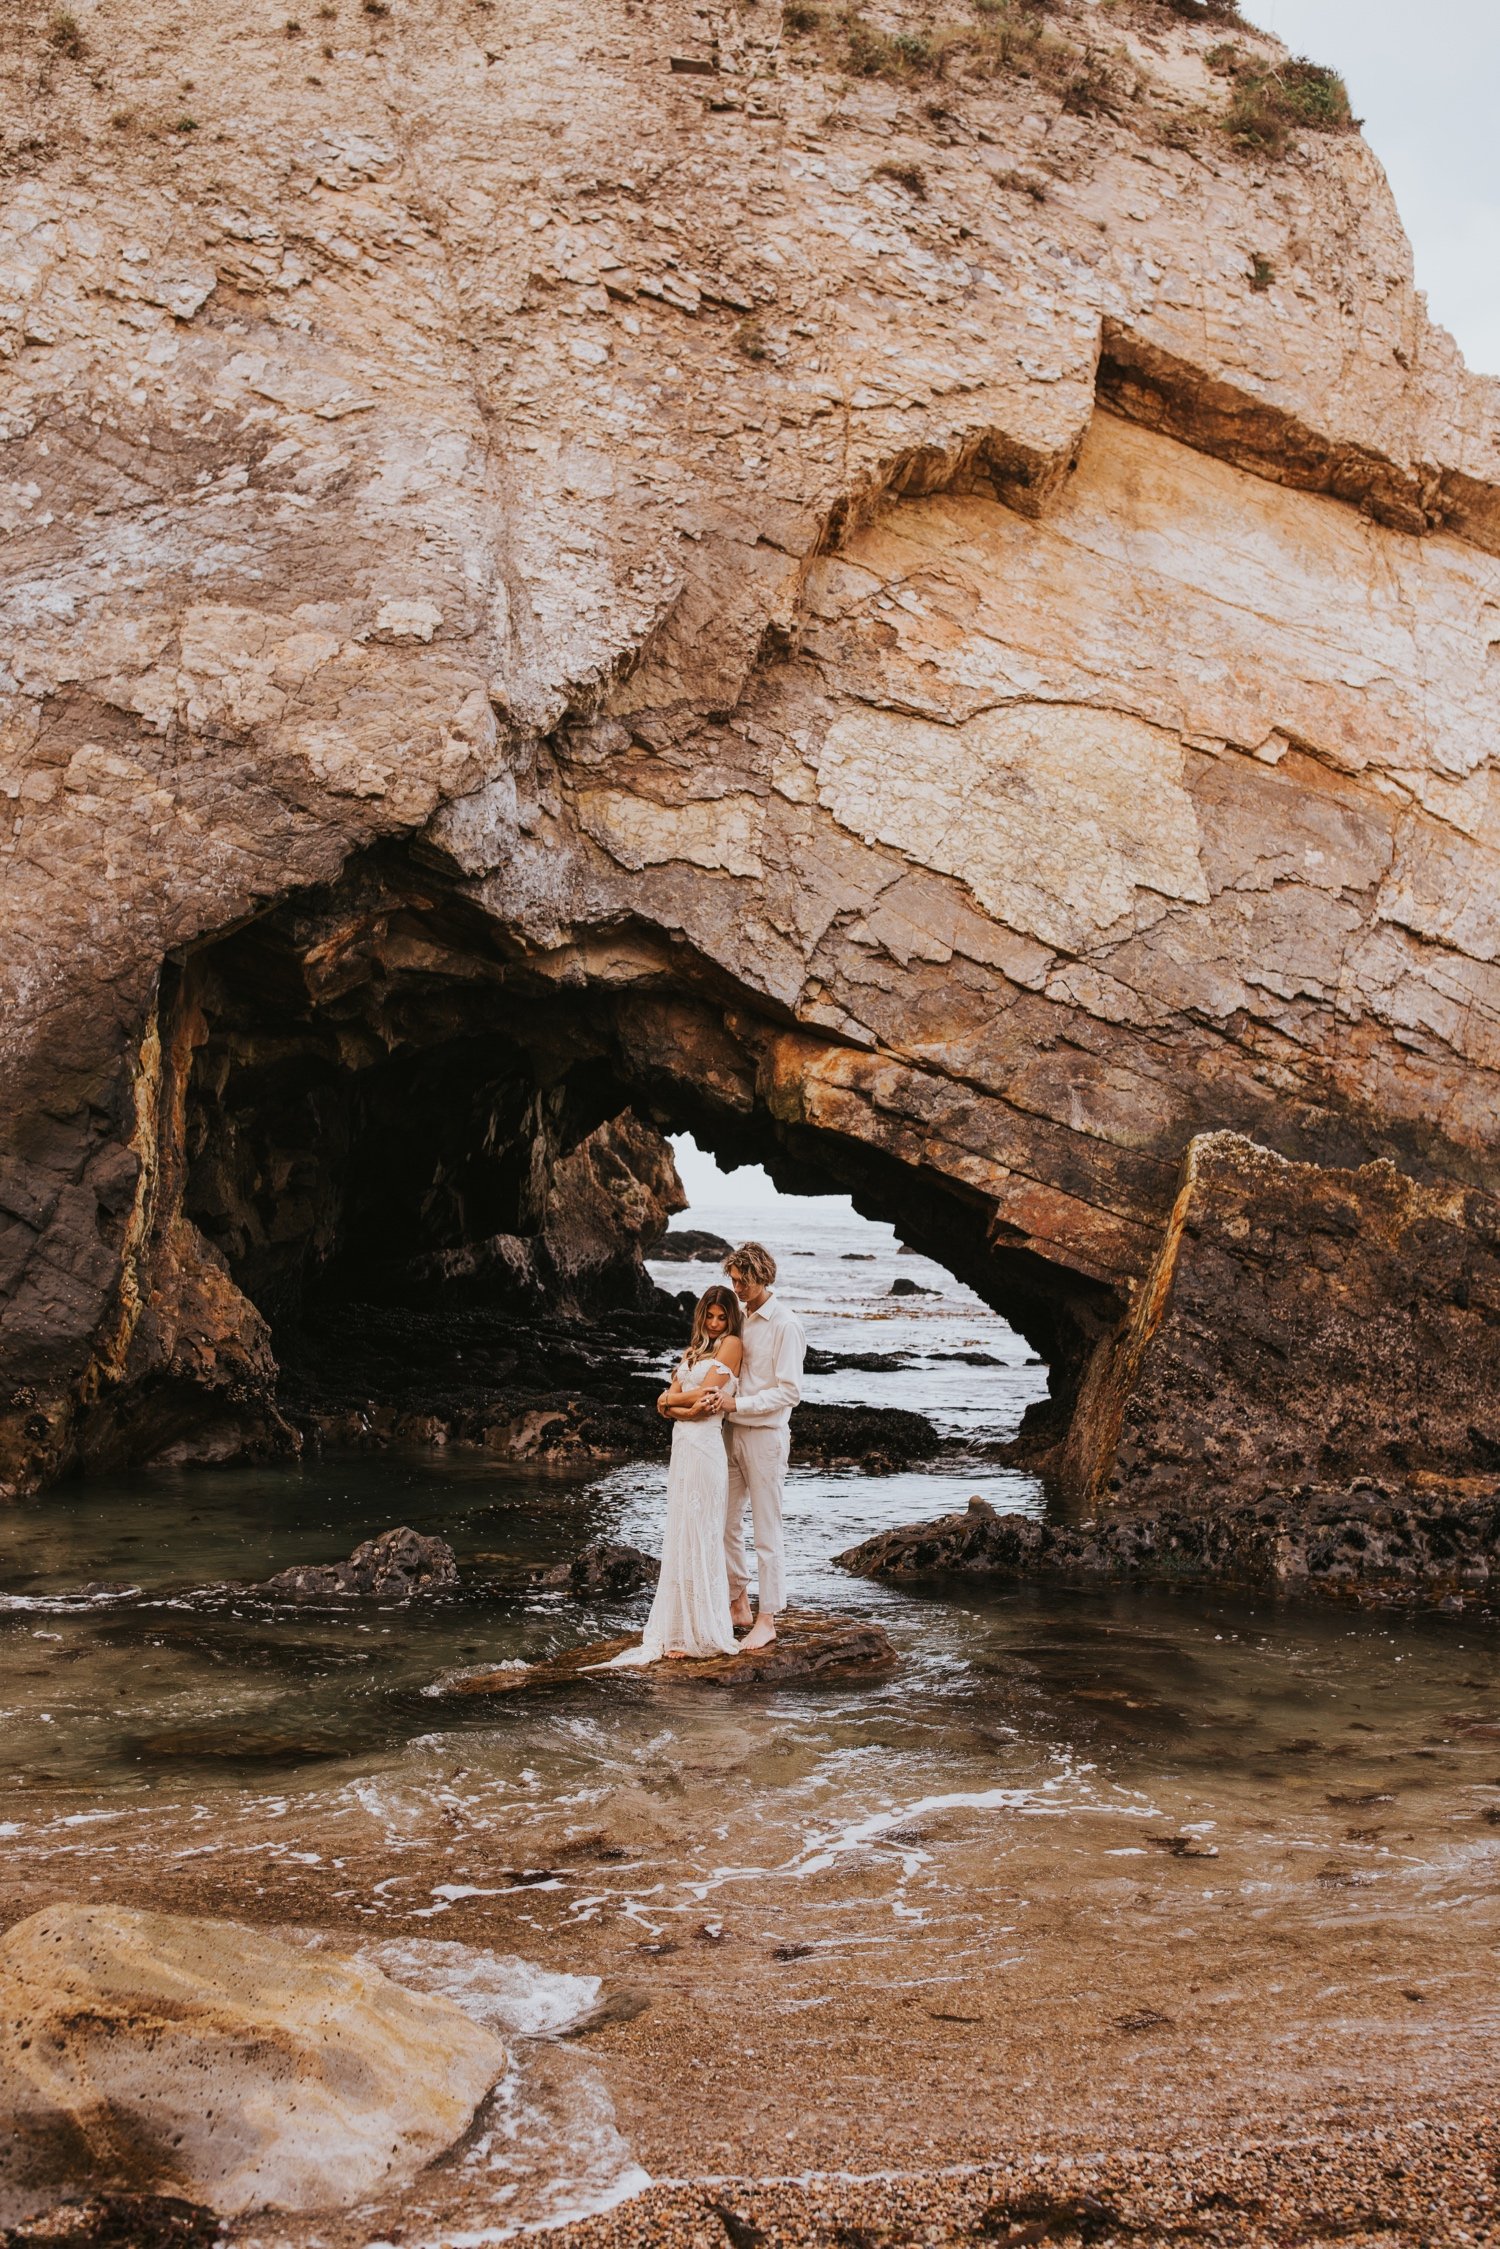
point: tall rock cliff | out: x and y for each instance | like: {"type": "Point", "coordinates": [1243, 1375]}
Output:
{"type": "Point", "coordinates": [911, 589]}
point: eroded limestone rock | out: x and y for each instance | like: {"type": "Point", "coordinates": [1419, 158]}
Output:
{"type": "Point", "coordinates": [170, 2056]}
{"type": "Point", "coordinates": [542, 587]}
{"type": "Point", "coordinates": [1301, 1323]}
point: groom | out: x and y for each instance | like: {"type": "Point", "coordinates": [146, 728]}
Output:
{"type": "Point", "coordinates": [758, 1431]}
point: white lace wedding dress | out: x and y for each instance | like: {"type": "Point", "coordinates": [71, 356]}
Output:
{"type": "Point", "coordinates": [691, 1609]}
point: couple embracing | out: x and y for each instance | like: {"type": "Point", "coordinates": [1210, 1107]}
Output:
{"type": "Point", "coordinates": [730, 1400]}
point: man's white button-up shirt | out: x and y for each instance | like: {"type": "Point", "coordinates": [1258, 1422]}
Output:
{"type": "Point", "coordinates": [771, 1376]}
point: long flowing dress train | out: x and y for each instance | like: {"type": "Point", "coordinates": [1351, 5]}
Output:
{"type": "Point", "coordinates": [691, 1611]}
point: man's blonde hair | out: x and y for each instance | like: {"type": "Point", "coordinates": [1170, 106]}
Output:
{"type": "Point", "coordinates": [752, 1262]}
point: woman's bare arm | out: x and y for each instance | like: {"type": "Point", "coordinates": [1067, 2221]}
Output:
{"type": "Point", "coordinates": [693, 1405]}
{"type": "Point", "coordinates": [671, 1397]}
{"type": "Point", "coordinates": [678, 1404]}
{"type": "Point", "coordinates": [728, 1355]}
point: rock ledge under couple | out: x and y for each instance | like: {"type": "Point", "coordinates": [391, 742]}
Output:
{"type": "Point", "coordinates": [808, 1647]}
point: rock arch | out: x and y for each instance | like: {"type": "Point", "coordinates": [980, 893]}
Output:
{"type": "Point", "coordinates": [380, 1091]}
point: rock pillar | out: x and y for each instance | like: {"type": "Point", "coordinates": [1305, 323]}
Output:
{"type": "Point", "coordinates": [1301, 1325]}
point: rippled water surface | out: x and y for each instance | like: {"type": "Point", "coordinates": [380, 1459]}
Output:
{"type": "Point", "coordinates": [157, 1714]}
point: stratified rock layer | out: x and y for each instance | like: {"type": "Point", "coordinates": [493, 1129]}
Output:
{"type": "Point", "coordinates": [151, 2052]}
{"type": "Point", "coordinates": [914, 609]}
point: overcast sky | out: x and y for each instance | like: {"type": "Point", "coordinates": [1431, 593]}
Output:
{"type": "Point", "coordinates": [1426, 80]}
{"type": "Point", "coordinates": [746, 1189]}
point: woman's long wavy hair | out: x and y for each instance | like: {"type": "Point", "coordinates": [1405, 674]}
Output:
{"type": "Point", "coordinates": [699, 1346]}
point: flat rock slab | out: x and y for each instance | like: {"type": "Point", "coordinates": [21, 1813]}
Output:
{"type": "Point", "coordinates": [806, 1647]}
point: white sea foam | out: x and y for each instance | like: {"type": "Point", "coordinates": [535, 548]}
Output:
{"type": "Point", "coordinates": [498, 1989]}
{"type": "Point", "coordinates": [548, 2149]}
{"type": "Point", "coordinates": [65, 1604]}
{"type": "Point", "coordinates": [553, 2142]}
{"type": "Point", "coordinates": [820, 1852]}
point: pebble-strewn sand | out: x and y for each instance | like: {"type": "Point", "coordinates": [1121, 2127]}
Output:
{"type": "Point", "coordinates": [1434, 2185]}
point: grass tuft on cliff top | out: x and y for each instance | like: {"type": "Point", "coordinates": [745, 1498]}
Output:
{"type": "Point", "coordinates": [1274, 101]}
{"type": "Point", "coordinates": [1203, 11]}
{"type": "Point", "coordinates": [1270, 102]}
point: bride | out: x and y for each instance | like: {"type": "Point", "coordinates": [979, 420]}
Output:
{"type": "Point", "coordinates": [690, 1615]}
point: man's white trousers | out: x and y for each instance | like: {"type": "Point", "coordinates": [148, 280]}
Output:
{"type": "Point", "coordinates": [757, 1477]}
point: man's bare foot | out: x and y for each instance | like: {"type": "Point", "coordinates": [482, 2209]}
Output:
{"type": "Point", "coordinates": [760, 1635]}
{"type": "Point", "coordinates": [741, 1615]}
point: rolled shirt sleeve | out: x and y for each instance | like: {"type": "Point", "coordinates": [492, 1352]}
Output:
{"type": "Point", "coordinates": [784, 1390]}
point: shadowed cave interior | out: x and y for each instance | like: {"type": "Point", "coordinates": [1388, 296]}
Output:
{"type": "Point", "coordinates": [432, 1160]}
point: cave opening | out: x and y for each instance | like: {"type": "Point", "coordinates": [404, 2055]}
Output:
{"type": "Point", "coordinates": [427, 1154]}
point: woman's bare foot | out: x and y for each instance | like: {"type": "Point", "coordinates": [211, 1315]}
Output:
{"type": "Point", "coordinates": [760, 1635]}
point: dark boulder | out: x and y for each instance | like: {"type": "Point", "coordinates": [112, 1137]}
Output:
{"type": "Point", "coordinates": [855, 1362]}
{"type": "Point", "coordinates": [1377, 1546]}
{"type": "Point", "coordinates": [118, 2221]}
{"type": "Point", "coordinates": [399, 1565]}
{"type": "Point", "coordinates": [878, 1438]}
{"type": "Point", "coordinates": [688, 1245]}
{"type": "Point", "coordinates": [464, 1374]}
{"type": "Point", "coordinates": [977, 1542]}
{"type": "Point", "coordinates": [606, 1568]}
